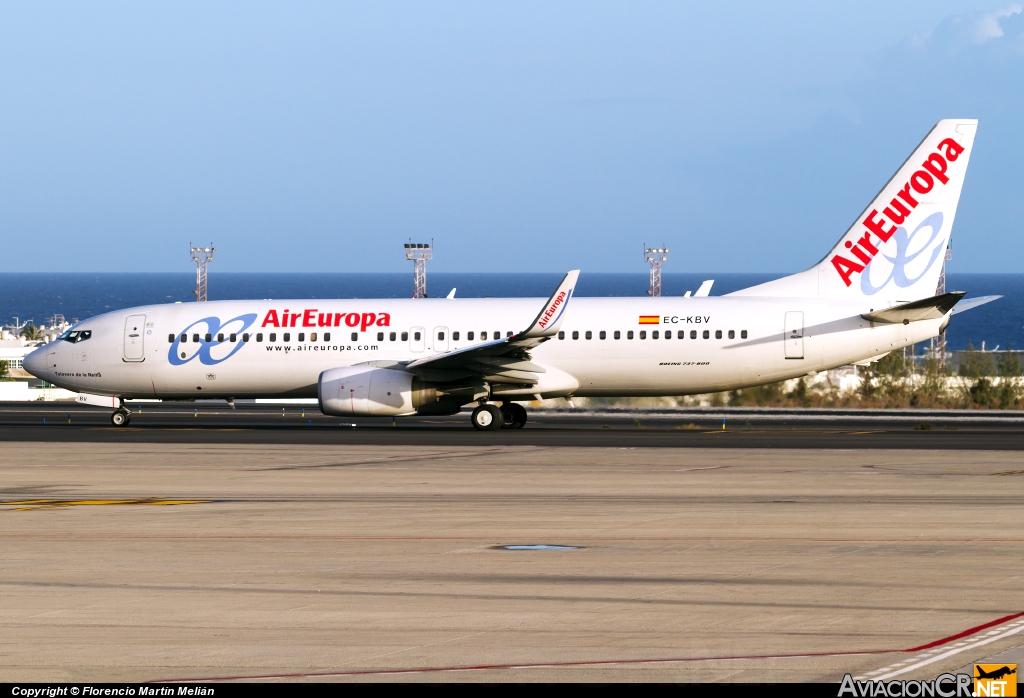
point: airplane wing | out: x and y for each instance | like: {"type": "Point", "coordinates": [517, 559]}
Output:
{"type": "Point", "coordinates": [505, 360]}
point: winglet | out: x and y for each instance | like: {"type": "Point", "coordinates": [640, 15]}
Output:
{"type": "Point", "coordinates": [705, 289]}
{"type": "Point", "coordinates": [550, 317]}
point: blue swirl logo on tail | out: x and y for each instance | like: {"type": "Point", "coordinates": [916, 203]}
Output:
{"type": "Point", "coordinates": [903, 256]}
{"type": "Point", "coordinates": [213, 352]}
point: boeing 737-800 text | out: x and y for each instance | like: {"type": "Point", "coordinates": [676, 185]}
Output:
{"type": "Point", "coordinates": [874, 292]}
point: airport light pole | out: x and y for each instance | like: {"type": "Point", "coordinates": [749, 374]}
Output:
{"type": "Point", "coordinates": [939, 343]}
{"type": "Point", "coordinates": [419, 253]}
{"type": "Point", "coordinates": [202, 256]}
{"type": "Point", "coordinates": [655, 256]}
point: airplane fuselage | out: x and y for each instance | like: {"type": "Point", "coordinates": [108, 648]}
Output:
{"type": "Point", "coordinates": [605, 347]}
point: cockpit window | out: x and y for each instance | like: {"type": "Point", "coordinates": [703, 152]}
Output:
{"type": "Point", "coordinates": [75, 336]}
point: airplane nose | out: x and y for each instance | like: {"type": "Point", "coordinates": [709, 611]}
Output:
{"type": "Point", "coordinates": [35, 362]}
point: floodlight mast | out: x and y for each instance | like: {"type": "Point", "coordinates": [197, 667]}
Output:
{"type": "Point", "coordinates": [939, 343]}
{"type": "Point", "coordinates": [202, 256]}
{"type": "Point", "coordinates": [419, 253]}
{"type": "Point", "coordinates": [655, 256]}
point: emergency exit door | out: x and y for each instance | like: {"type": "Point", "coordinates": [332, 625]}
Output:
{"type": "Point", "coordinates": [794, 338]}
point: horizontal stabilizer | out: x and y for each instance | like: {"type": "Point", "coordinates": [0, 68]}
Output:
{"type": "Point", "coordinates": [973, 303]}
{"type": "Point", "coordinates": [873, 359]}
{"type": "Point", "coordinates": [926, 309]}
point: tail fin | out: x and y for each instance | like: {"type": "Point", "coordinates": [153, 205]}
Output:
{"type": "Point", "coordinates": [893, 251]}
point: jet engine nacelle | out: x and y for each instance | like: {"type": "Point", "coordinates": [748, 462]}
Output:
{"type": "Point", "coordinates": [366, 391]}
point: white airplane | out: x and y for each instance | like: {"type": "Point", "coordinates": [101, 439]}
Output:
{"type": "Point", "coordinates": [874, 292]}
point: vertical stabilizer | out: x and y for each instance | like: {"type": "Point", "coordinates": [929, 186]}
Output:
{"type": "Point", "coordinates": [893, 252]}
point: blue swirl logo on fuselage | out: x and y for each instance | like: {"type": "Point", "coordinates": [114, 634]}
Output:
{"type": "Point", "coordinates": [212, 352]}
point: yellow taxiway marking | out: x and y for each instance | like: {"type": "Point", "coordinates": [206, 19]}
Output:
{"type": "Point", "coordinates": [31, 504]}
{"type": "Point", "coordinates": [1011, 472]}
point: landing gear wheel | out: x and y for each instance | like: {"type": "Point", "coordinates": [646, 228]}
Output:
{"type": "Point", "coordinates": [487, 418]}
{"type": "Point", "coordinates": [120, 418]}
{"type": "Point", "coordinates": [513, 416]}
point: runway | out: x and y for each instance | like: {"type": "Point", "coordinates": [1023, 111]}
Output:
{"type": "Point", "coordinates": [694, 428]}
{"type": "Point", "coordinates": [146, 561]}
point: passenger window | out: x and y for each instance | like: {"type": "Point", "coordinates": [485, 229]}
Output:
{"type": "Point", "coordinates": [287, 336]}
{"type": "Point", "coordinates": [575, 334]}
{"type": "Point", "coordinates": [508, 334]}
{"type": "Point", "coordinates": [681, 334]}
{"type": "Point", "coordinates": [302, 336]}
{"type": "Point", "coordinates": [209, 337]}
{"type": "Point", "coordinates": [195, 338]}
{"type": "Point", "coordinates": [589, 335]}
{"type": "Point", "coordinates": [312, 336]}
{"type": "Point", "coordinates": [220, 337]}
{"type": "Point", "coordinates": [245, 337]}
{"type": "Point", "coordinates": [416, 336]}
{"type": "Point", "coordinates": [707, 334]}
{"type": "Point", "coordinates": [483, 336]}
{"type": "Point", "coordinates": [405, 336]}
{"type": "Point", "coordinates": [643, 334]}
{"type": "Point", "coordinates": [380, 336]}
{"type": "Point", "coordinates": [743, 334]}
{"type": "Point", "coordinates": [455, 336]}
{"type": "Point", "coordinates": [259, 336]}
{"type": "Point", "coordinates": [603, 335]}
{"type": "Point", "coordinates": [654, 334]}
{"type": "Point", "coordinates": [232, 337]}
{"type": "Point", "coordinates": [469, 336]}
{"type": "Point", "coordinates": [732, 334]}
{"type": "Point", "coordinates": [718, 334]}
{"type": "Point", "coordinates": [561, 335]}
{"type": "Point", "coordinates": [668, 334]}
{"type": "Point", "coordinates": [170, 339]}
{"type": "Point", "coordinates": [693, 334]}
{"type": "Point", "coordinates": [629, 334]}
{"type": "Point", "coordinates": [327, 336]}
{"type": "Point", "coordinates": [355, 336]}
{"type": "Point", "coordinates": [497, 335]}
{"type": "Point", "coordinates": [273, 336]}
{"type": "Point", "coordinates": [618, 335]}
{"type": "Point", "coordinates": [391, 336]}
{"type": "Point", "coordinates": [440, 336]}
{"type": "Point", "coordinates": [184, 338]}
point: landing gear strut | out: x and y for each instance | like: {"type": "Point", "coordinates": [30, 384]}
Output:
{"type": "Point", "coordinates": [121, 417]}
{"type": "Point", "coordinates": [513, 416]}
{"type": "Point", "coordinates": [487, 418]}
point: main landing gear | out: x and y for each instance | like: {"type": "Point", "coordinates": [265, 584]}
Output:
{"type": "Point", "coordinates": [121, 417]}
{"type": "Point", "coordinates": [490, 417]}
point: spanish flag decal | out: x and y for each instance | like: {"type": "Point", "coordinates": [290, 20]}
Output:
{"type": "Point", "coordinates": [650, 319]}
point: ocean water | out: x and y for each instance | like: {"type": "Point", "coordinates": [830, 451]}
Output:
{"type": "Point", "coordinates": [38, 296]}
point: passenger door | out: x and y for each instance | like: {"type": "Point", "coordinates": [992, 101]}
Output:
{"type": "Point", "coordinates": [417, 339]}
{"type": "Point", "coordinates": [794, 335]}
{"type": "Point", "coordinates": [134, 338]}
{"type": "Point", "coordinates": [440, 339]}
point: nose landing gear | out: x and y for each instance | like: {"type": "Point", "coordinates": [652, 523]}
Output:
{"type": "Point", "coordinates": [121, 417]}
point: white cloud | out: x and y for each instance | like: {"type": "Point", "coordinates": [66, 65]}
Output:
{"type": "Point", "coordinates": [986, 26]}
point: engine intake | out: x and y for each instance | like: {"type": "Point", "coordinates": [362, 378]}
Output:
{"type": "Point", "coordinates": [365, 391]}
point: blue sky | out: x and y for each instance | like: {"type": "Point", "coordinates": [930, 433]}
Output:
{"type": "Point", "coordinates": [527, 136]}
